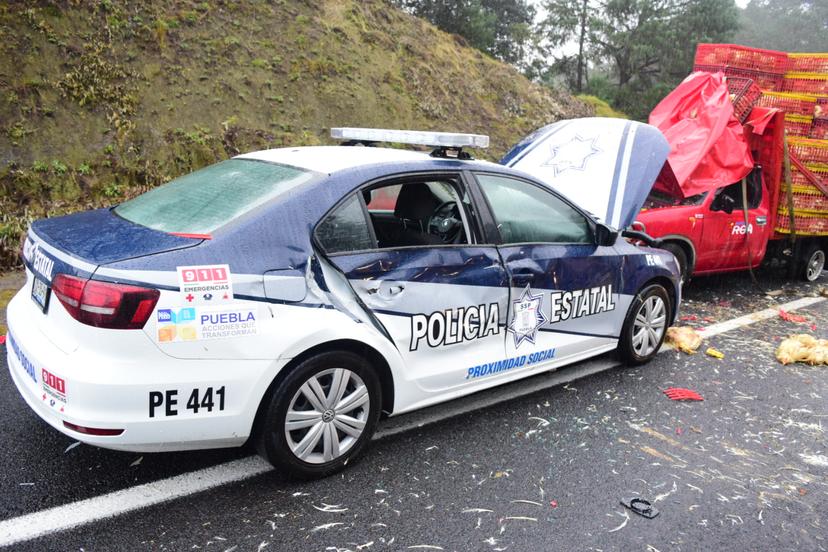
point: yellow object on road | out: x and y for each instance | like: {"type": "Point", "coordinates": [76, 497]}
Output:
{"type": "Point", "coordinates": [714, 353]}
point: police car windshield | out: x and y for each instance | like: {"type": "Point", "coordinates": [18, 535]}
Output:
{"type": "Point", "coordinates": [200, 202]}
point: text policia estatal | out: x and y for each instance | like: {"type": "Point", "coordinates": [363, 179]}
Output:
{"type": "Point", "coordinates": [462, 324]}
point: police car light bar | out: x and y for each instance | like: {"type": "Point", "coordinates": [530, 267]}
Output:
{"type": "Point", "coordinates": [417, 137]}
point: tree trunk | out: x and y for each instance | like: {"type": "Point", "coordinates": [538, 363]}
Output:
{"type": "Point", "coordinates": [581, 63]}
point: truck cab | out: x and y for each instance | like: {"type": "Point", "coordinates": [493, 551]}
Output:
{"type": "Point", "coordinates": [707, 232]}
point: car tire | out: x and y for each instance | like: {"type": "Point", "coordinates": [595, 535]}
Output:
{"type": "Point", "coordinates": [813, 262]}
{"type": "Point", "coordinates": [331, 401]}
{"type": "Point", "coordinates": [680, 255]}
{"type": "Point", "coordinates": [645, 325]}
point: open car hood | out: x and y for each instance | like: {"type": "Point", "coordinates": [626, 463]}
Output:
{"type": "Point", "coordinates": [606, 166]}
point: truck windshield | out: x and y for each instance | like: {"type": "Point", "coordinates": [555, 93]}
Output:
{"type": "Point", "coordinates": [201, 202]}
{"type": "Point", "coordinates": [658, 199]}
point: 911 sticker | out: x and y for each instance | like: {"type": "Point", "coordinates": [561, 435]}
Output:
{"type": "Point", "coordinates": [170, 403]}
{"type": "Point", "coordinates": [200, 323]}
{"type": "Point", "coordinates": [54, 390]}
{"type": "Point", "coordinates": [205, 285]}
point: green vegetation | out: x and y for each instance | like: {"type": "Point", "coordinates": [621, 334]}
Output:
{"type": "Point", "coordinates": [100, 101]}
{"type": "Point", "coordinates": [602, 108]}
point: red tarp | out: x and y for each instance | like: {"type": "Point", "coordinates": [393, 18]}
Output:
{"type": "Point", "coordinates": [708, 148]}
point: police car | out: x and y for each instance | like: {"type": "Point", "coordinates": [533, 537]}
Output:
{"type": "Point", "coordinates": [293, 296]}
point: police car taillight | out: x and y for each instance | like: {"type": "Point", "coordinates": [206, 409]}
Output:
{"type": "Point", "coordinates": [104, 304]}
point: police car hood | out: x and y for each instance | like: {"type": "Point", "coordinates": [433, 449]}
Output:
{"type": "Point", "coordinates": [606, 166]}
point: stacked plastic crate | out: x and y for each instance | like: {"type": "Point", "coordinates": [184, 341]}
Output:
{"type": "Point", "coordinates": [807, 75]}
{"type": "Point", "coordinates": [797, 84]}
{"type": "Point", "coordinates": [810, 204]}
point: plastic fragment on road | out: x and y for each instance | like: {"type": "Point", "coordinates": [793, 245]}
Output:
{"type": "Point", "coordinates": [640, 506]}
{"type": "Point", "coordinates": [803, 348]}
{"type": "Point", "coordinates": [715, 353]}
{"type": "Point", "coordinates": [681, 394]}
{"type": "Point", "coordinates": [788, 317]}
{"type": "Point", "coordinates": [684, 339]}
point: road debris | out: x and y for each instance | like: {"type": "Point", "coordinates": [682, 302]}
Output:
{"type": "Point", "coordinates": [803, 348]}
{"type": "Point", "coordinates": [70, 447]}
{"type": "Point", "coordinates": [681, 394]}
{"type": "Point", "coordinates": [330, 508]}
{"type": "Point", "coordinates": [715, 353]}
{"type": "Point", "coordinates": [788, 317]}
{"type": "Point", "coordinates": [623, 523]}
{"type": "Point", "coordinates": [640, 506]}
{"type": "Point", "coordinates": [684, 338]}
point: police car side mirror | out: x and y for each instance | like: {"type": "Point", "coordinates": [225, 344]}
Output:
{"type": "Point", "coordinates": [604, 235]}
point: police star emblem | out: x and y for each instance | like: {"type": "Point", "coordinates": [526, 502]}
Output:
{"type": "Point", "coordinates": [527, 317]}
{"type": "Point", "coordinates": [573, 154]}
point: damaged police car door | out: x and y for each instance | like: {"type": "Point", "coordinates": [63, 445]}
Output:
{"type": "Point", "coordinates": [411, 255]}
{"type": "Point", "coordinates": [564, 286]}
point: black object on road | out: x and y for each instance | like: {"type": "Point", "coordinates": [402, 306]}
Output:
{"type": "Point", "coordinates": [640, 506]}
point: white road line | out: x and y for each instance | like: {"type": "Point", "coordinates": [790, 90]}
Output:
{"type": "Point", "coordinates": [728, 325]}
{"type": "Point", "coordinates": [64, 517]}
{"type": "Point", "coordinates": [68, 516]}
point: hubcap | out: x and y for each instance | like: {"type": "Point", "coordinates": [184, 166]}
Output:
{"type": "Point", "coordinates": [815, 265]}
{"type": "Point", "coordinates": [649, 325]}
{"type": "Point", "coordinates": [326, 417]}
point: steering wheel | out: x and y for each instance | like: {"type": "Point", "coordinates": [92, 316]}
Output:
{"type": "Point", "coordinates": [445, 222]}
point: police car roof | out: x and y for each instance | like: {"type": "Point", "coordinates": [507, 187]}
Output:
{"type": "Point", "coordinates": [330, 159]}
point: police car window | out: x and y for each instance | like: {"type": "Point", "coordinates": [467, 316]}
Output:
{"type": "Point", "coordinates": [416, 213]}
{"type": "Point", "coordinates": [528, 214]}
{"type": "Point", "coordinates": [207, 199]}
{"type": "Point", "coordinates": [345, 229]}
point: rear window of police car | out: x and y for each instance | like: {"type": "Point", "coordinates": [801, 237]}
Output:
{"type": "Point", "coordinates": [200, 202]}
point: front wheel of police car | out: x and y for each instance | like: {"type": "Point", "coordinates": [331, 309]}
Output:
{"type": "Point", "coordinates": [645, 326]}
{"type": "Point", "coordinates": [320, 416]}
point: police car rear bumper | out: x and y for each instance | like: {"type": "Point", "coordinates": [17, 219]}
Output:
{"type": "Point", "coordinates": [107, 393]}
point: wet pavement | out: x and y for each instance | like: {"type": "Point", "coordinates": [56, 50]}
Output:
{"type": "Point", "coordinates": [747, 468]}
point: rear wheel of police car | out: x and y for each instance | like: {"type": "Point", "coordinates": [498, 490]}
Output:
{"type": "Point", "coordinates": [321, 415]}
{"type": "Point", "coordinates": [645, 326]}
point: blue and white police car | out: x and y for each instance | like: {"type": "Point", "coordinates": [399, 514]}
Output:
{"type": "Point", "coordinates": [293, 296]}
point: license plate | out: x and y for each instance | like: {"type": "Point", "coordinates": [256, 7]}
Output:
{"type": "Point", "coordinates": [41, 293]}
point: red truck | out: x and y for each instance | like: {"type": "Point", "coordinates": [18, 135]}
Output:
{"type": "Point", "coordinates": [697, 206]}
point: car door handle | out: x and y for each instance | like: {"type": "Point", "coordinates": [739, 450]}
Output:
{"type": "Point", "coordinates": [761, 221]}
{"type": "Point", "coordinates": [395, 289]}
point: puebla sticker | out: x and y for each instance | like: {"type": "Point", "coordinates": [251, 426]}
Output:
{"type": "Point", "coordinates": [202, 323]}
{"type": "Point", "coordinates": [205, 285]}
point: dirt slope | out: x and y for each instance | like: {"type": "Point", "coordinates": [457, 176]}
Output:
{"type": "Point", "coordinates": [100, 100]}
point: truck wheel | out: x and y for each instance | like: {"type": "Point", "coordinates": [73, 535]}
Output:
{"type": "Point", "coordinates": [645, 326]}
{"type": "Point", "coordinates": [681, 257]}
{"type": "Point", "coordinates": [321, 416]}
{"type": "Point", "coordinates": [813, 261]}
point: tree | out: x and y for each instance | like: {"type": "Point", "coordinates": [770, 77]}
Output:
{"type": "Point", "coordinates": [501, 28]}
{"type": "Point", "coordinates": [648, 45]}
{"type": "Point", "coordinates": [567, 22]}
{"type": "Point", "coordinates": [787, 25]}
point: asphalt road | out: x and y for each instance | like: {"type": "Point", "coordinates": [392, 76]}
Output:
{"type": "Point", "coordinates": [747, 468]}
